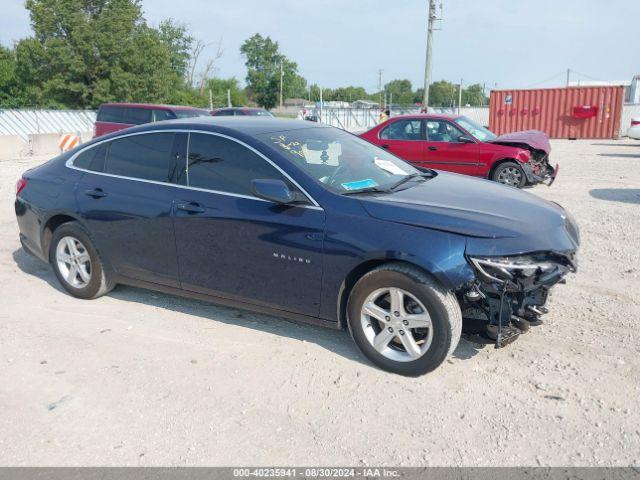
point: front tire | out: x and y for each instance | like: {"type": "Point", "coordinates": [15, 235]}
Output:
{"type": "Point", "coordinates": [77, 264]}
{"type": "Point", "coordinates": [510, 173]}
{"type": "Point", "coordinates": [403, 320]}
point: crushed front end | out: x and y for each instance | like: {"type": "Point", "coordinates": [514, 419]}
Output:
{"type": "Point", "coordinates": [540, 170]}
{"type": "Point", "coordinates": [510, 293]}
{"type": "Point", "coordinates": [510, 290]}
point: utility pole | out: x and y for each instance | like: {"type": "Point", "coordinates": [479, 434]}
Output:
{"type": "Point", "coordinates": [320, 116]}
{"type": "Point", "coordinates": [568, 75]}
{"type": "Point", "coordinates": [380, 86]}
{"type": "Point", "coordinates": [427, 66]}
{"type": "Point", "coordinates": [459, 96]}
{"type": "Point", "coordinates": [281, 79]}
{"type": "Point", "coordinates": [228, 97]}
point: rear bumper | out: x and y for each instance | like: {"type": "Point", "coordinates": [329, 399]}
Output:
{"type": "Point", "coordinates": [32, 249]}
{"type": "Point", "coordinates": [29, 227]}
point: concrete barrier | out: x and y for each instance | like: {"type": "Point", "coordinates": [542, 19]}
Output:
{"type": "Point", "coordinates": [44, 143]}
{"type": "Point", "coordinates": [85, 136]}
{"type": "Point", "coordinates": [11, 146]}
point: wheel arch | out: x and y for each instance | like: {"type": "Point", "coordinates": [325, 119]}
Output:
{"type": "Point", "coordinates": [50, 225]}
{"type": "Point", "coordinates": [362, 269]}
{"type": "Point", "coordinates": [497, 163]}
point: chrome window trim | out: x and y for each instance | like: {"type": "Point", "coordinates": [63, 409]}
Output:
{"type": "Point", "coordinates": [69, 164]}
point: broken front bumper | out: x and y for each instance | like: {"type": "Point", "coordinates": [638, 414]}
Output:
{"type": "Point", "coordinates": [509, 294]}
{"type": "Point", "coordinates": [548, 176]}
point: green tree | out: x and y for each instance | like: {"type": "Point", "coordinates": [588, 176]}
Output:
{"type": "Point", "coordinates": [8, 81]}
{"type": "Point", "coordinates": [349, 94]}
{"type": "Point", "coordinates": [219, 87]}
{"type": "Point", "coordinates": [400, 92]}
{"type": "Point", "coordinates": [443, 94]}
{"type": "Point", "coordinates": [86, 52]}
{"type": "Point", "coordinates": [264, 61]}
{"type": "Point", "coordinates": [176, 37]}
{"type": "Point", "coordinates": [474, 95]}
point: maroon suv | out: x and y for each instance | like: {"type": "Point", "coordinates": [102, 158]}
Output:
{"type": "Point", "coordinates": [118, 116]}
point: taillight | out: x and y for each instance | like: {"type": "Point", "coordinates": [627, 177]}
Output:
{"type": "Point", "coordinates": [20, 184]}
{"type": "Point", "coordinates": [635, 121]}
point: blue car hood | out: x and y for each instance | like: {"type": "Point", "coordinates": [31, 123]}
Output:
{"type": "Point", "coordinates": [467, 206]}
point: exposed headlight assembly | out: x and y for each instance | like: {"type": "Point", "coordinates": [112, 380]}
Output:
{"type": "Point", "coordinates": [506, 268]}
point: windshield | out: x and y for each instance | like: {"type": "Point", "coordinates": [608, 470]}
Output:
{"type": "Point", "coordinates": [475, 129]}
{"type": "Point", "coordinates": [340, 161]}
{"type": "Point", "coordinates": [191, 113]}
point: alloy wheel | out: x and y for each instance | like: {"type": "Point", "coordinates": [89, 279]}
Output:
{"type": "Point", "coordinates": [396, 324]}
{"type": "Point", "coordinates": [510, 176]}
{"type": "Point", "coordinates": [74, 262]}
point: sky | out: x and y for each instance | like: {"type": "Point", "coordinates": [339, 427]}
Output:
{"type": "Point", "coordinates": [499, 43]}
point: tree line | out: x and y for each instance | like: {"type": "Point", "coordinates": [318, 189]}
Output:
{"type": "Point", "coordinates": [86, 52]}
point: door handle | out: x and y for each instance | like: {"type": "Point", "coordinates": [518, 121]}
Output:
{"type": "Point", "coordinates": [190, 207]}
{"type": "Point", "coordinates": [95, 193]}
{"type": "Point", "coordinates": [385, 145]}
{"type": "Point", "coordinates": [433, 149]}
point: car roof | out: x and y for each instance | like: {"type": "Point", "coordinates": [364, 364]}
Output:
{"type": "Point", "coordinates": [435, 116]}
{"type": "Point", "coordinates": [240, 108]}
{"type": "Point", "coordinates": [246, 125]}
{"type": "Point", "coordinates": [151, 106]}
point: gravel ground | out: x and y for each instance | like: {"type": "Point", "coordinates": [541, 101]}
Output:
{"type": "Point", "coordinates": [140, 378]}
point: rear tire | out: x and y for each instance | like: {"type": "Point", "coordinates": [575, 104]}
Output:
{"type": "Point", "coordinates": [403, 320]}
{"type": "Point", "coordinates": [76, 263]}
{"type": "Point", "coordinates": [511, 174]}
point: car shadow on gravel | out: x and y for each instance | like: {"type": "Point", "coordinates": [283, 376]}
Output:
{"type": "Point", "coordinates": [617, 144]}
{"type": "Point", "coordinates": [620, 155]}
{"type": "Point", "coordinates": [624, 195]}
{"type": "Point", "coordinates": [338, 342]}
{"type": "Point", "coordinates": [36, 267]}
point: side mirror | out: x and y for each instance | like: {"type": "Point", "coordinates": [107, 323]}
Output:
{"type": "Point", "coordinates": [273, 190]}
{"type": "Point", "coordinates": [465, 139]}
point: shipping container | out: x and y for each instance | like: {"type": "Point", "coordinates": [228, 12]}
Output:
{"type": "Point", "coordinates": [571, 112]}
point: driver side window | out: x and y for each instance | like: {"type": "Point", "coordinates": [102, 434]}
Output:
{"type": "Point", "coordinates": [219, 164]}
{"type": "Point", "coordinates": [442, 131]}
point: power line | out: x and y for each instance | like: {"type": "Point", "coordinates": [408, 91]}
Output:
{"type": "Point", "coordinates": [546, 80]}
{"type": "Point", "coordinates": [587, 76]}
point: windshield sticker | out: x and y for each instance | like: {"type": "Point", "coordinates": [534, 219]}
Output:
{"type": "Point", "coordinates": [294, 148]}
{"type": "Point", "coordinates": [358, 184]}
{"type": "Point", "coordinates": [390, 167]}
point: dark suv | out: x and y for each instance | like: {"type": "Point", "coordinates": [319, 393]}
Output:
{"type": "Point", "coordinates": [118, 116]}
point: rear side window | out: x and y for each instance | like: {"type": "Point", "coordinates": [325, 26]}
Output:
{"type": "Point", "coordinates": [137, 116]}
{"type": "Point", "coordinates": [403, 130]}
{"type": "Point", "coordinates": [129, 115]}
{"type": "Point", "coordinates": [190, 113]}
{"type": "Point", "coordinates": [92, 158]}
{"type": "Point", "coordinates": [216, 163]}
{"type": "Point", "coordinates": [111, 114]}
{"type": "Point", "coordinates": [147, 156]}
{"type": "Point", "coordinates": [160, 115]}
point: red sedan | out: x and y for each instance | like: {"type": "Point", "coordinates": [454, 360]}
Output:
{"type": "Point", "coordinates": [458, 144]}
